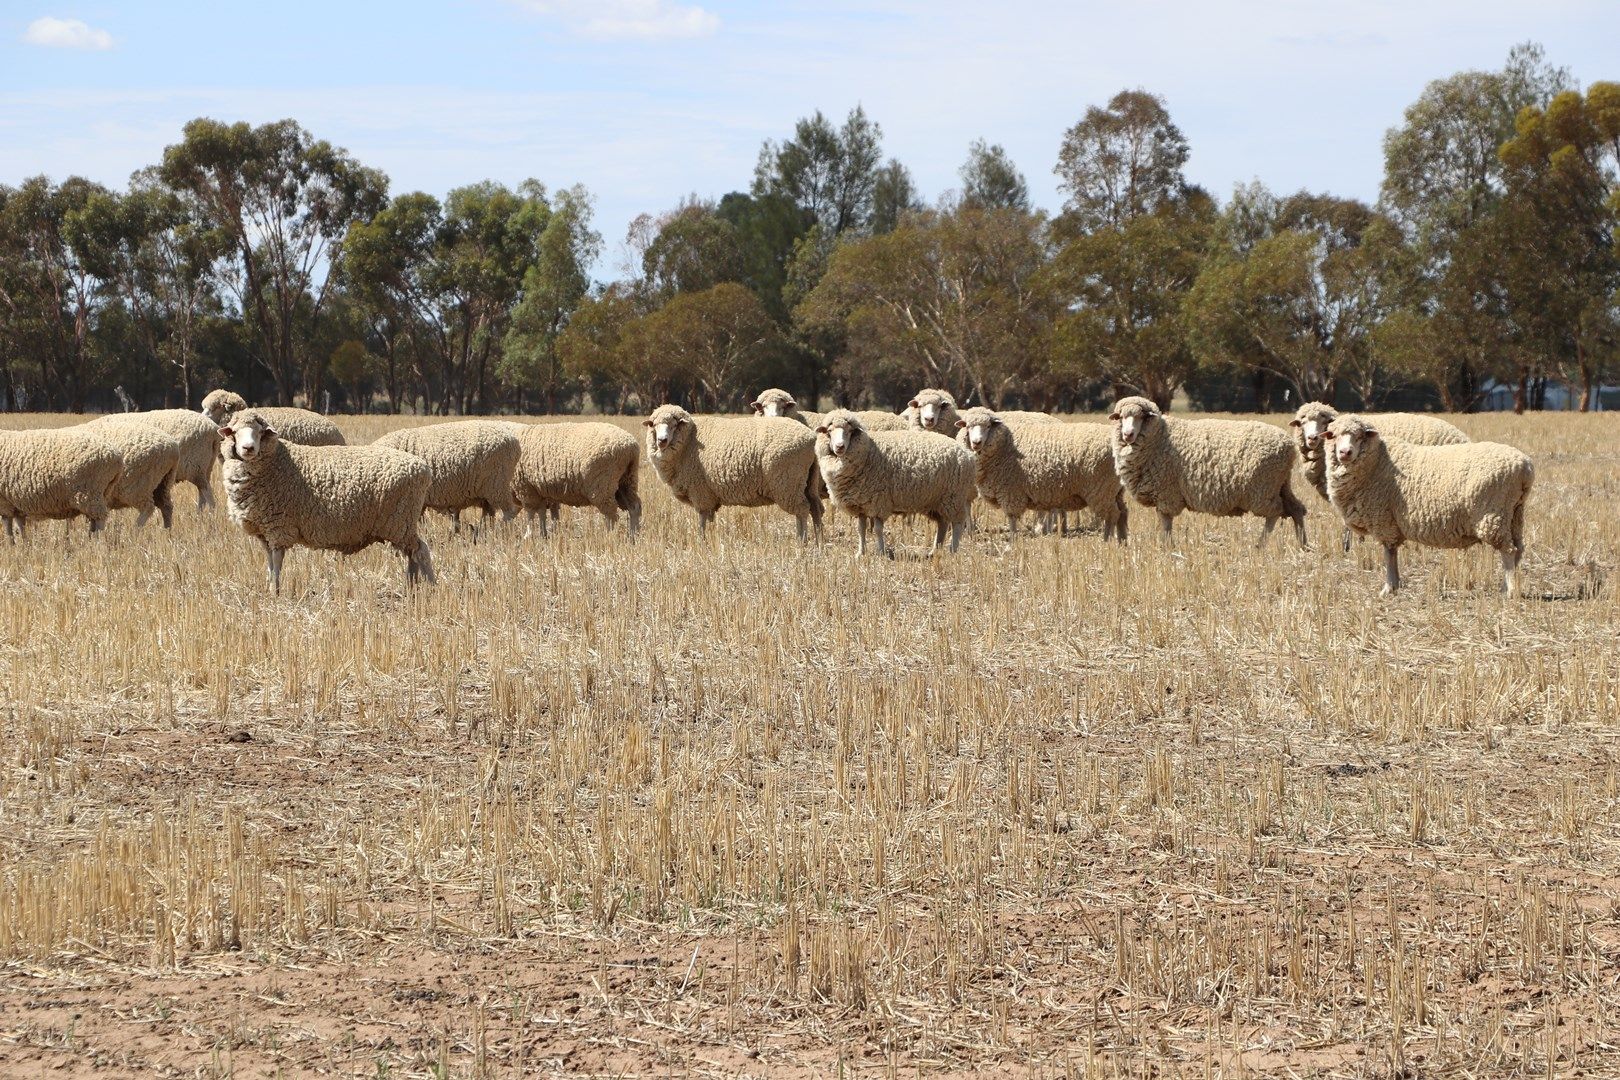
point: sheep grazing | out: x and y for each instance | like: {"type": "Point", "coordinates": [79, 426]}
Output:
{"type": "Point", "coordinates": [291, 425]}
{"type": "Point", "coordinates": [877, 474]}
{"type": "Point", "coordinates": [337, 498]}
{"type": "Point", "coordinates": [1223, 467]}
{"type": "Point", "coordinates": [151, 457]}
{"type": "Point", "coordinates": [473, 462]}
{"type": "Point", "coordinates": [53, 474]}
{"type": "Point", "coordinates": [579, 464]}
{"type": "Point", "coordinates": [199, 445]}
{"type": "Point", "coordinates": [1045, 467]}
{"type": "Point", "coordinates": [774, 402]}
{"type": "Point", "coordinates": [1440, 496]}
{"type": "Point", "coordinates": [1311, 422]}
{"type": "Point", "coordinates": [709, 462]}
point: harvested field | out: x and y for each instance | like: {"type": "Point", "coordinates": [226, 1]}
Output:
{"type": "Point", "coordinates": [595, 807]}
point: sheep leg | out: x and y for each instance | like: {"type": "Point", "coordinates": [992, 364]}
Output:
{"type": "Point", "coordinates": [1392, 570]}
{"type": "Point", "coordinates": [166, 509]}
{"type": "Point", "coordinates": [273, 557]}
{"type": "Point", "coordinates": [877, 530]}
{"type": "Point", "coordinates": [803, 526]}
{"type": "Point", "coordinates": [10, 527]}
{"type": "Point", "coordinates": [860, 548]}
{"type": "Point", "coordinates": [1166, 524]}
{"type": "Point", "coordinates": [1347, 539]}
{"type": "Point", "coordinates": [1265, 533]}
{"type": "Point", "coordinates": [419, 563]}
{"type": "Point", "coordinates": [956, 535]}
{"type": "Point", "coordinates": [205, 496]}
{"type": "Point", "coordinates": [143, 517]}
{"type": "Point", "coordinates": [704, 518]}
{"type": "Point", "coordinates": [1510, 572]}
{"type": "Point", "coordinates": [1013, 526]}
{"type": "Point", "coordinates": [939, 537]}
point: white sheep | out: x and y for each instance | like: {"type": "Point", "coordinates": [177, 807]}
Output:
{"type": "Point", "coordinates": [1045, 467]}
{"type": "Point", "coordinates": [935, 410]}
{"type": "Point", "coordinates": [1440, 496]}
{"type": "Point", "coordinates": [199, 445]}
{"type": "Point", "coordinates": [1311, 422]}
{"type": "Point", "coordinates": [150, 459]}
{"type": "Point", "coordinates": [473, 463]}
{"type": "Point", "coordinates": [291, 425]}
{"type": "Point", "coordinates": [709, 462]}
{"type": "Point", "coordinates": [587, 463]}
{"type": "Point", "coordinates": [776, 402]}
{"type": "Point", "coordinates": [878, 474]}
{"type": "Point", "coordinates": [52, 474]}
{"type": "Point", "coordinates": [336, 498]}
{"type": "Point", "coordinates": [1222, 467]}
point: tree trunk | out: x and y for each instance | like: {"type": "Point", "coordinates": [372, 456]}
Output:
{"type": "Point", "coordinates": [1521, 393]}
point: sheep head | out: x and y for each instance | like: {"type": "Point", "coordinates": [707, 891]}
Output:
{"type": "Point", "coordinates": [1134, 420]}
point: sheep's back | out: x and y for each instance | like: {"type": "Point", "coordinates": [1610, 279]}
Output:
{"type": "Point", "coordinates": [50, 472]}
{"type": "Point", "coordinates": [1225, 465]}
{"type": "Point", "coordinates": [736, 455]}
{"type": "Point", "coordinates": [563, 461]}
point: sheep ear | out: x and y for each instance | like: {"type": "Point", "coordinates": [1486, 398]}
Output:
{"type": "Point", "coordinates": [1113, 416]}
{"type": "Point", "coordinates": [1295, 422]}
{"type": "Point", "coordinates": [268, 433]}
{"type": "Point", "coordinates": [225, 431]}
{"type": "Point", "coordinates": [1368, 433]}
{"type": "Point", "coordinates": [961, 423]}
{"type": "Point", "coordinates": [646, 423]}
{"type": "Point", "coordinates": [756, 406]}
{"type": "Point", "coordinates": [995, 419]}
{"type": "Point", "coordinates": [822, 430]}
{"type": "Point", "coordinates": [912, 404]}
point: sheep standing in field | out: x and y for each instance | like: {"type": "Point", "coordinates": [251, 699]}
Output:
{"type": "Point", "coordinates": [1440, 496]}
{"type": "Point", "coordinates": [199, 445]}
{"type": "Point", "coordinates": [877, 474]}
{"type": "Point", "coordinates": [1310, 426]}
{"type": "Point", "coordinates": [1311, 422]}
{"type": "Point", "coordinates": [151, 457]}
{"type": "Point", "coordinates": [774, 402]}
{"type": "Point", "coordinates": [291, 425]}
{"type": "Point", "coordinates": [579, 464]}
{"type": "Point", "coordinates": [473, 464]}
{"type": "Point", "coordinates": [709, 462]}
{"type": "Point", "coordinates": [935, 410]}
{"type": "Point", "coordinates": [336, 498]}
{"type": "Point", "coordinates": [1045, 467]}
{"type": "Point", "coordinates": [1222, 467]}
{"type": "Point", "coordinates": [52, 474]}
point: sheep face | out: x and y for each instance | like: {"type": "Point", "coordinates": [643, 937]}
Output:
{"type": "Point", "coordinates": [247, 437]}
{"type": "Point", "coordinates": [1311, 424]}
{"type": "Point", "coordinates": [980, 425]}
{"type": "Point", "coordinates": [1351, 438]}
{"type": "Point", "coordinates": [774, 403]}
{"type": "Point", "coordinates": [930, 406]}
{"type": "Point", "coordinates": [667, 427]}
{"type": "Point", "coordinates": [842, 430]}
{"type": "Point", "coordinates": [1134, 419]}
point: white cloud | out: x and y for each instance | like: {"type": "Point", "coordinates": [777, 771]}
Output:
{"type": "Point", "coordinates": [645, 20]}
{"type": "Point", "coordinates": [54, 33]}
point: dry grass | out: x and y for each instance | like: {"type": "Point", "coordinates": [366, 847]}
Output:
{"type": "Point", "coordinates": [594, 807]}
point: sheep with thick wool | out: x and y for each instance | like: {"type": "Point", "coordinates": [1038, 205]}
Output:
{"type": "Point", "coordinates": [291, 425]}
{"type": "Point", "coordinates": [935, 410]}
{"type": "Point", "coordinates": [336, 498]}
{"type": "Point", "coordinates": [878, 474]}
{"type": "Point", "coordinates": [776, 402]}
{"type": "Point", "coordinates": [199, 445]}
{"type": "Point", "coordinates": [586, 463]}
{"type": "Point", "coordinates": [1452, 496]}
{"type": "Point", "coordinates": [1045, 467]}
{"type": "Point", "coordinates": [709, 462]}
{"type": "Point", "coordinates": [1221, 467]}
{"type": "Point", "coordinates": [1311, 422]}
{"type": "Point", "coordinates": [151, 458]}
{"type": "Point", "coordinates": [56, 473]}
{"type": "Point", "coordinates": [474, 463]}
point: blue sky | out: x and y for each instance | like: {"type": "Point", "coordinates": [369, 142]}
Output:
{"type": "Point", "coordinates": [646, 101]}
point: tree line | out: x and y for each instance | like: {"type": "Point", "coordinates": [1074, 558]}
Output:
{"type": "Point", "coordinates": [271, 261]}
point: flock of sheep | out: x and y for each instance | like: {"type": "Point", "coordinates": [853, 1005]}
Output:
{"type": "Point", "coordinates": [290, 480]}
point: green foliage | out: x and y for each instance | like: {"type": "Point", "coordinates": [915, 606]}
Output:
{"type": "Point", "coordinates": [990, 181]}
{"type": "Point", "coordinates": [830, 172]}
{"type": "Point", "coordinates": [1120, 162]}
